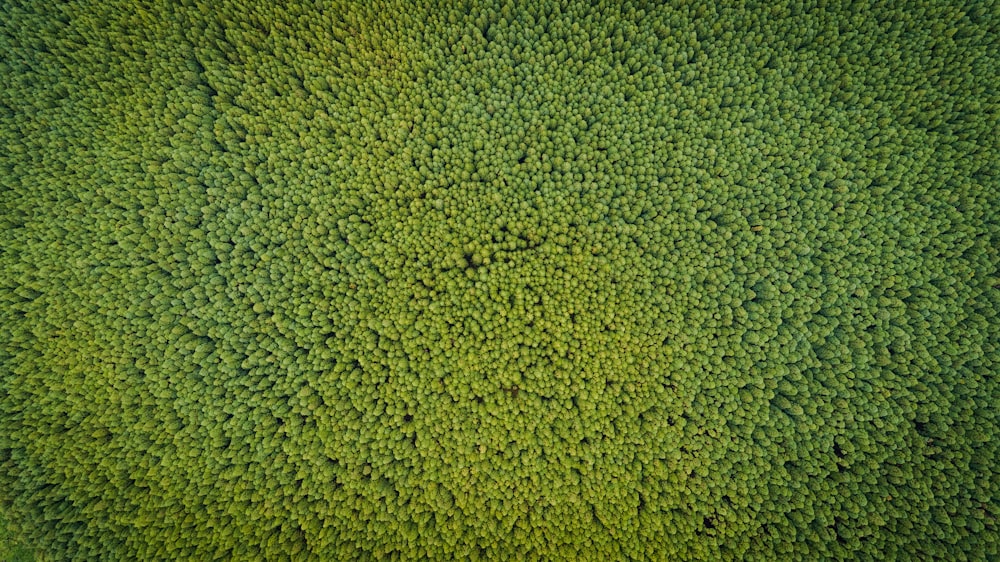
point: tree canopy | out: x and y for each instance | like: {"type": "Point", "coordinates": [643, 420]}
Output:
{"type": "Point", "coordinates": [331, 280]}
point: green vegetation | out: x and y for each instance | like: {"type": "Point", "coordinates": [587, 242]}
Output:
{"type": "Point", "coordinates": [374, 281]}
{"type": "Point", "coordinates": [10, 551]}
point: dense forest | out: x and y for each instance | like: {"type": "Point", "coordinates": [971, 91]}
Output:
{"type": "Point", "coordinates": [476, 280]}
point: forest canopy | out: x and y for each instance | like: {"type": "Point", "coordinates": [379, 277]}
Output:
{"type": "Point", "coordinates": [336, 280]}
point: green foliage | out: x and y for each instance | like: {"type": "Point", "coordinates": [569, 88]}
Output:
{"type": "Point", "coordinates": [485, 280]}
{"type": "Point", "coordinates": [10, 550]}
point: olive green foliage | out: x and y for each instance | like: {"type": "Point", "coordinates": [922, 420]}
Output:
{"type": "Point", "coordinates": [11, 551]}
{"type": "Point", "coordinates": [526, 280]}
